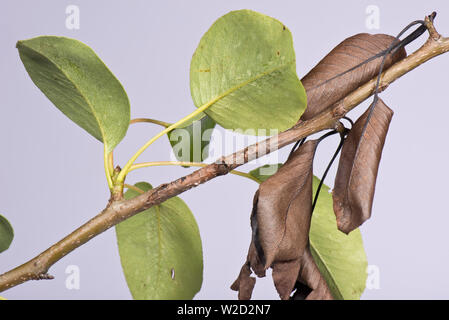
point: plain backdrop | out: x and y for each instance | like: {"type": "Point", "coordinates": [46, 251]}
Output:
{"type": "Point", "coordinates": [51, 171]}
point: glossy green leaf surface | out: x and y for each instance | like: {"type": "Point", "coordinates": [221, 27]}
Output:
{"type": "Point", "coordinates": [79, 84]}
{"type": "Point", "coordinates": [160, 250]}
{"type": "Point", "coordinates": [245, 68]}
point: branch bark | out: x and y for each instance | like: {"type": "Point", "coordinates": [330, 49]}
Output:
{"type": "Point", "coordinates": [118, 210]}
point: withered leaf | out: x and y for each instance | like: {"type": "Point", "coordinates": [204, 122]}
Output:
{"type": "Point", "coordinates": [284, 207]}
{"type": "Point", "coordinates": [349, 53]}
{"type": "Point", "coordinates": [311, 285]}
{"type": "Point", "coordinates": [280, 220]}
{"type": "Point", "coordinates": [357, 171]}
{"type": "Point", "coordinates": [244, 283]}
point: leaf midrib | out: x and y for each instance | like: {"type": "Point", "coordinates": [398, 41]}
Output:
{"type": "Point", "coordinates": [244, 83]}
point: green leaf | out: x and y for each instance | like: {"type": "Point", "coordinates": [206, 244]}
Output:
{"type": "Point", "coordinates": [6, 233]}
{"type": "Point", "coordinates": [160, 250]}
{"type": "Point", "coordinates": [79, 84]}
{"type": "Point", "coordinates": [264, 172]}
{"type": "Point", "coordinates": [191, 142]}
{"type": "Point", "coordinates": [244, 67]}
{"type": "Point", "coordinates": [341, 258]}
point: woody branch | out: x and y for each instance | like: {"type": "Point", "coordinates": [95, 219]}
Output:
{"type": "Point", "coordinates": [119, 209]}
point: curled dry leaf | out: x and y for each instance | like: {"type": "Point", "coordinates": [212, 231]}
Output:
{"type": "Point", "coordinates": [310, 284]}
{"type": "Point", "coordinates": [280, 220]}
{"type": "Point", "coordinates": [244, 283]}
{"type": "Point", "coordinates": [283, 208]}
{"type": "Point", "coordinates": [348, 54]}
{"type": "Point", "coordinates": [357, 171]}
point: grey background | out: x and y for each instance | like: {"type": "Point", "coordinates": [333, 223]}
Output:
{"type": "Point", "coordinates": [51, 172]}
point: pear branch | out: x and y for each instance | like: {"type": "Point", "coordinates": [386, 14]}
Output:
{"type": "Point", "coordinates": [119, 209]}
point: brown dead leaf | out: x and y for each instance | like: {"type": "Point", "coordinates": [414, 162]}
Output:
{"type": "Point", "coordinates": [284, 206]}
{"type": "Point", "coordinates": [346, 55]}
{"type": "Point", "coordinates": [280, 220]}
{"type": "Point", "coordinates": [244, 283]}
{"type": "Point", "coordinates": [357, 171]}
{"type": "Point", "coordinates": [311, 285]}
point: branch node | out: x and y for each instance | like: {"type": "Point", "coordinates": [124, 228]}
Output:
{"type": "Point", "coordinates": [222, 167]}
{"type": "Point", "coordinates": [339, 110]}
{"type": "Point", "coordinates": [383, 86]}
{"type": "Point", "coordinates": [340, 128]}
{"type": "Point", "coordinates": [43, 276]}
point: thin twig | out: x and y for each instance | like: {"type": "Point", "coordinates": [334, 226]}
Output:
{"type": "Point", "coordinates": [185, 164]}
{"type": "Point", "coordinates": [154, 121]}
{"type": "Point", "coordinates": [134, 188]}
